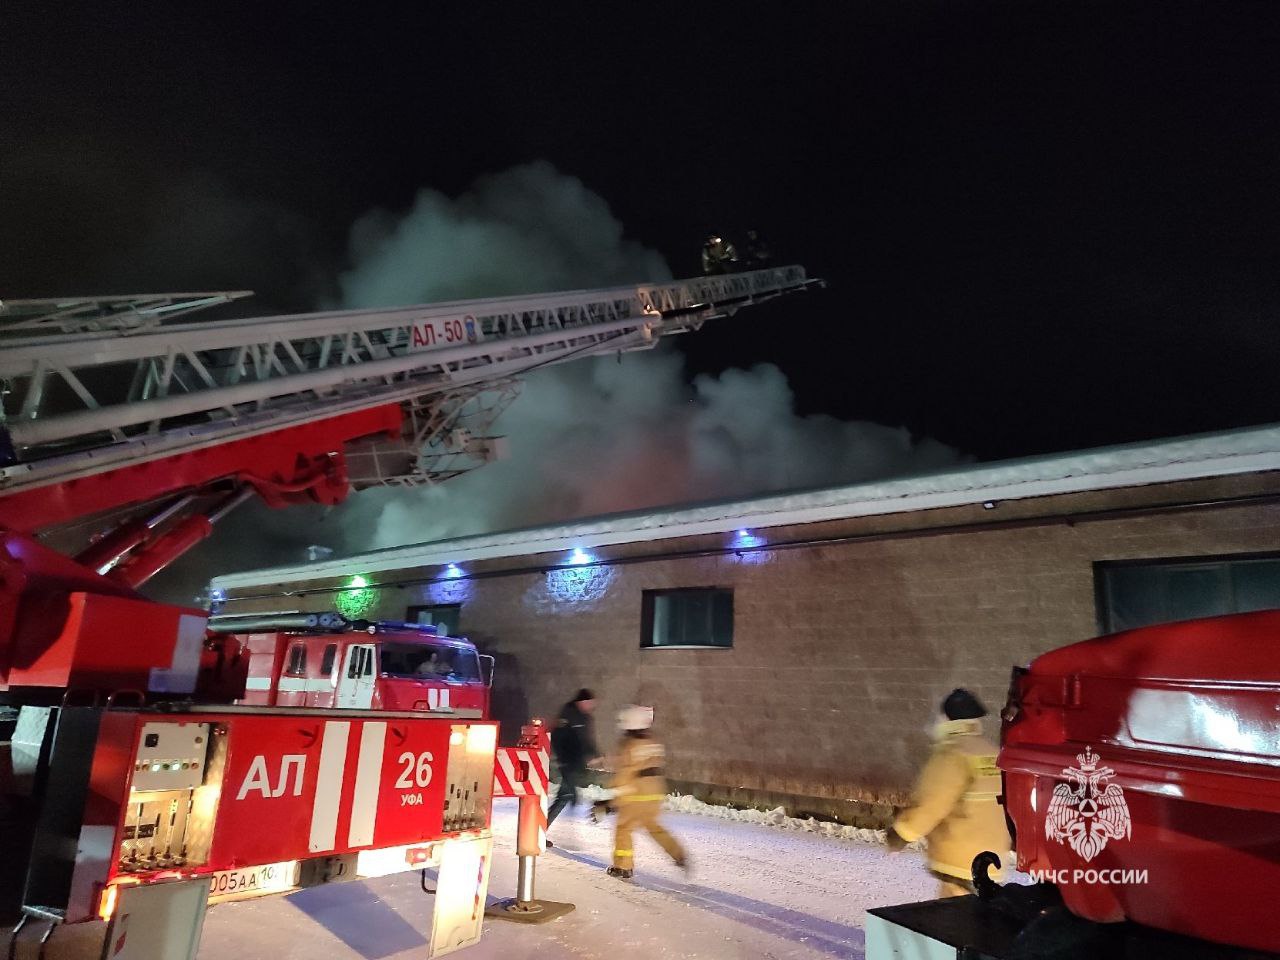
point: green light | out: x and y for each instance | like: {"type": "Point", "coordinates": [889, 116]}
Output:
{"type": "Point", "coordinates": [356, 599]}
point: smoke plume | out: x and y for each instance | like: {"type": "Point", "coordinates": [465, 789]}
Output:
{"type": "Point", "coordinates": [600, 435]}
{"type": "Point", "coordinates": [595, 436]}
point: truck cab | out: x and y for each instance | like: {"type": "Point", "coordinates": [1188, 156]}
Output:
{"type": "Point", "coordinates": [383, 665]}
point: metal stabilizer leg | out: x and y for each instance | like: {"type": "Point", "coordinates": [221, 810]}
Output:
{"type": "Point", "coordinates": [526, 907]}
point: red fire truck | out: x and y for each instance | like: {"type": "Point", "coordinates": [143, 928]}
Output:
{"type": "Point", "coordinates": [138, 777]}
{"type": "Point", "coordinates": [1142, 784]}
{"type": "Point", "coordinates": [325, 660]}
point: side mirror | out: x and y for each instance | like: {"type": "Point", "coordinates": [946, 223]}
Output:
{"type": "Point", "coordinates": [487, 674]}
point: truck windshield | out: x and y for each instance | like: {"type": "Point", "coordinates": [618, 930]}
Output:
{"type": "Point", "coordinates": [426, 661]}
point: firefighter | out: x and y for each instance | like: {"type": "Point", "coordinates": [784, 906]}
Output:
{"type": "Point", "coordinates": [574, 746]}
{"type": "Point", "coordinates": [639, 787]}
{"type": "Point", "coordinates": [758, 253]}
{"type": "Point", "coordinates": [718, 255]}
{"type": "Point", "coordinates": [954, 802]}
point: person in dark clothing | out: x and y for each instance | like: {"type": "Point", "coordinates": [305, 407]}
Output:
{"type": "Point", "coordinates": [574, 746]}
{"type": "Point", "coordinates": [758, 253]}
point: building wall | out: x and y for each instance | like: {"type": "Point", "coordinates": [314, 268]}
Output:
{"type": "Point", "coordinates": [842, 651]}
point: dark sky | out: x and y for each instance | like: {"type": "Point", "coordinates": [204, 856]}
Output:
{"type": "Point", "coordinates": [1045, 225]}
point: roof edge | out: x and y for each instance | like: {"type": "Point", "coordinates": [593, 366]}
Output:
{"type": "Point", "coordinates": [1139, 464]}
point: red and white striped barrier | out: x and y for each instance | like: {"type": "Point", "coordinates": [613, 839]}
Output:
{"type": "Point", "coordinates": [524, 771]}
{"type": "Point", "coordinates": [521, 772]}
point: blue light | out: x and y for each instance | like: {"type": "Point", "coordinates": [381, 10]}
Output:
{"type": "Point", "coordinates": [217, 595]}
{"type": "Point", "coordinates": [453, 571]}
{"type": "Point", "coordinates": [575, 585]}
{"type": "Point", "coordinates": [580, 557]}
{"type": "Point", "coordinates": [745, 538]}
{"type": "Point", "coordinates": [449, 590]}
{"type": "Point", "coordinates": [743, 534]}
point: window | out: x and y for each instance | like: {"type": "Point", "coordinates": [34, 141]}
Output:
{"type": "Point", "coordinates": [430, 661]}
{"type": "Point", "coordinates": [701, 617]}
{"type": "Point", "coordinates": [297, 659]}
{"type": "Point", "coordinates": [326, 662]}
{"type": "Point", "coordinates": [1139, 593]}
{"type": "Point", "coordinates": [360, 664]}
{"type": "Point", "coordinates": [445, 616]}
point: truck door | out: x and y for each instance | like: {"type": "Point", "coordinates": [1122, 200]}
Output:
{"type": "Point", "coordinates": [355, 683]}
{"type": "Point", "coordinates": [321, 691]}
{"type": "Point", "coordinates": [291, 688]}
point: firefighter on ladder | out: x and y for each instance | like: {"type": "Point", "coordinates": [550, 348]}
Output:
{"type": "Point", "coordinates": [639, 787]}
{"type": "Point", "coordinates": [718, 256]}
{"type": "Point", "coordinates": [954, 802]}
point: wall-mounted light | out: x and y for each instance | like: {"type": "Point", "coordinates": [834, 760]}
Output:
{"type": "Point", "coordinates": [579, 557]}
{"type": "Point", "coordinates": [453, 571]}
{"type": "Point", "coordinates": [988, 505]}
{"type": "Point", "coordinates": [356, 599]}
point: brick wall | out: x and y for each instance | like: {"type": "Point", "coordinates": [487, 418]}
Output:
{"type": "Point", "coordinates": [842, 651]}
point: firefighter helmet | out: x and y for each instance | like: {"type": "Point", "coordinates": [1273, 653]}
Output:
{"type": "Point", "coordinates": [633, 717]}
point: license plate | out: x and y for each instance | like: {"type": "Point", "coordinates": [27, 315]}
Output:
{"type": "Point", "coordinates": [247, 881]}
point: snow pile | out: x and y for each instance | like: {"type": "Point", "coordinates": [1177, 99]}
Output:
{"type": "Point", "coordinates": [777, 817]}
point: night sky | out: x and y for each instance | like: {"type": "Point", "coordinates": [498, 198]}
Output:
{"type": "Point", "coordinates": [1045, 225]}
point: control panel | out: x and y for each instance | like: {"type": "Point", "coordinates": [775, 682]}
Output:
{"type": "Point", "coordinates": [469, 792]}
{"type": "Point", "coordinates": [172, 795]}
{"type": "Point", "coordinates": [171, 756]}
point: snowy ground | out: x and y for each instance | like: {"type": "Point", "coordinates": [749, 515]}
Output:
{"type": "Point", "coordinates": [757, 891]}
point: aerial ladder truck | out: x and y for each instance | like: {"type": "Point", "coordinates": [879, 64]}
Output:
{"type": "Point", "coordinates": [136, 781]}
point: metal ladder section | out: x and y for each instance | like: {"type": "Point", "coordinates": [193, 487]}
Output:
{"type": "Point", "coordinates": [83, 401]}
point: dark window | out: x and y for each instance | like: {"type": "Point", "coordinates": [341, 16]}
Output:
{"type": "Point", "coordinates": [361, 663]}
{"type": "Point", "coordinates": [701, 617]}
{"type": "Point", "coordinates": [297, 659]}
{"type": "Point", "coordinates": [1139, 593]}
{"type": "Point", "coordinates": [430, 661]}
{"type": "Point", "coordinates": [326, 662]}
{"type": "Point", "coordinates": [442, 615]}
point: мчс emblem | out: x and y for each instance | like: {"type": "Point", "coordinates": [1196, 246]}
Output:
{"type": "Point", "coordinates": [1088, 812]}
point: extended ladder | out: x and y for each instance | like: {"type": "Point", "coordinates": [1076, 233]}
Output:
{"type": "Point", "coordinates": [82, 402]}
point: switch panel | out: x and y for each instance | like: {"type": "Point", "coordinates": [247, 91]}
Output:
{"type": "Point", "coordinates": [171, 756]}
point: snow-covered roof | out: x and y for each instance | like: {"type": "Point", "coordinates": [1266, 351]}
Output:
{"type": "Point", "coordinates": [1138, 464]}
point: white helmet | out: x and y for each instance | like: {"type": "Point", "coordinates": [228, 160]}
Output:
{"type": "Point", "coordinates": [634, 717]}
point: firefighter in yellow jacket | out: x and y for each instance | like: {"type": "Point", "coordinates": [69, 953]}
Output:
{"type": "Point", "coordinates": [639, 786]}
{"type": "Point", "coordinates": [955, 803]}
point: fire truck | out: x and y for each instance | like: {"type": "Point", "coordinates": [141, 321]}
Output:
{"type": "Point", "coordinates": [139, 776]}
{"type": "Point", "coordinates": [326, 660]}
{"type": "Point", "coordinates": [1142, 787]}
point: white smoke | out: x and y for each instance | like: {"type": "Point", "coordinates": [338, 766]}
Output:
{"type": "Point", "coordinates": [527, 230]}
{"type": "Point", "coordinates": [590, 437]}
{"type": "Point", "coordinates": [600, 435]}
